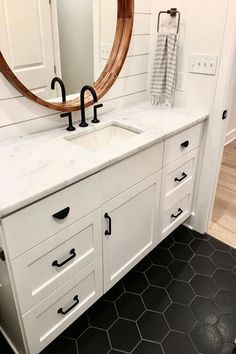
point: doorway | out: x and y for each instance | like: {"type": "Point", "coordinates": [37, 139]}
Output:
{"type": "Point", "coordinates": [223, 221]}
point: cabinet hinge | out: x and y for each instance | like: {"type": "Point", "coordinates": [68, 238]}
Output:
{"type": "Point", "coordinates": [2, 255]}
{"type": "Point", "coordinates": [55, 69]}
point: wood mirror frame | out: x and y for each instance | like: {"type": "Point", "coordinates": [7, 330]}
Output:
{"type": "Point", "coordinates": [125, 18]}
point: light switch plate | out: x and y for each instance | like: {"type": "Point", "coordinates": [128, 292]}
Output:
{"type": "Point", "coordinates": [203, 63]}
{"type": "Point", "coordinates": [105, 50]}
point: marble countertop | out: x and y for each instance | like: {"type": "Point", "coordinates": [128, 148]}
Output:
{"type": "Point", "coordinates": [40, 164]}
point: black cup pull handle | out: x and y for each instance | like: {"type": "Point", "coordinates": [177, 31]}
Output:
{"type": "Point", "coordinates": [185, 144]}
{"type": "Point", "coordinates": [62, 214]}
{"type": "Point", "coordinates": [61, 311]}
{"type": "Point", "coordinates": [180, 211]}
{"type": "Point", "coordinates": [108, 232]}
{"type": "Point", "coordinates": [184, 175]}
{"type": "Point", "coordinates": [59, 265]}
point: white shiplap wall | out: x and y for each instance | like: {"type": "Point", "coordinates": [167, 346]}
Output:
{"type": "Point", "coordinates": [19, 116]}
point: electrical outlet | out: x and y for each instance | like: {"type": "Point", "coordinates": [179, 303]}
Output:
{"type": "Point", "coordinates": [105, 51]}
{"type": "Point", "coordinates": [180, 81]}
{"type": "Point", "coordinates": [203, 64]}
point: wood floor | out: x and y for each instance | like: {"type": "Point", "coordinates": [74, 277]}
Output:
{"type": "Point", "coordinates": [223, 225]}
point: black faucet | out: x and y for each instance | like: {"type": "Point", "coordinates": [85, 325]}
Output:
{"type": "Point", "coordinates": [61, 83]}
{"type": "Point", "coordinates": [95, 99]}
{"type": "Point", "coordinates": [70, 127]}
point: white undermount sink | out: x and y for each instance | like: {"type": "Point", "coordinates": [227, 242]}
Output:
{"type": "Point", "coordinates": [102, 138]}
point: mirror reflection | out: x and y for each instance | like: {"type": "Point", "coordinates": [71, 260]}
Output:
{"type": "Point", "coordinates": [71, 39]}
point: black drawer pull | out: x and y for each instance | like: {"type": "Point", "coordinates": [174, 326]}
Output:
{"type": "Point", "coordinates": [59, 265]}
{"type": "Point", "coordinates": [62, 214]}
{"type": "Point", "coordinates": [76, 299]}
{"type": "Point", "coordinates": [185, 144]}
{"type": "Point", "coordinates": [180, 211]}
{"type": "Point", "coordinates": [184, 175]}
{"type": "Point", "coordinates": [108, 232]}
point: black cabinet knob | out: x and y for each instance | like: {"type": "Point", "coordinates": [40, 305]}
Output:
{"type": "Point", "coordinates": [185, 144]}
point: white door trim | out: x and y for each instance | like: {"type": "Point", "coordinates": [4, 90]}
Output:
{"type": "Point", "coordinates": [217, 128]}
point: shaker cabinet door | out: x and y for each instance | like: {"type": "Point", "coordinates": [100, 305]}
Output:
{"type": "Point", "coordinates": [130, 228]}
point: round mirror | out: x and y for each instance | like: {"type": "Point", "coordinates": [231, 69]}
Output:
{"type": "Point", "coordinates": [82, 42]}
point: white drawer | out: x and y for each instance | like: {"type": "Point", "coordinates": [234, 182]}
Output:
{"type": "Point", "coordinates": [44, 323]}
{"type": "Point", "coordinates": [175, 216]}
{"type": "Point", "coordinates": [76, 246]}
{"type": "Point", "coordinates": [182, 143]}
{"type": "Point", "coordinates": [179, 176]}
{"type": "Point", "coordinates": [30, 226]}
{"type": "Point", "coordinates": [128, 172]}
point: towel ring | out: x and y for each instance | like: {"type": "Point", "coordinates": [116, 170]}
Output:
{"type": "Point", "coordinates": [173, 12]}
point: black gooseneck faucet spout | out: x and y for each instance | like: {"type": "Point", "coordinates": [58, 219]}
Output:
{"type": "Point", "coordinates": [70, 127]}
{"type": "Point", "coordinates": [82, 100]}
{"type": "Point", "coordinates": [61, 83]}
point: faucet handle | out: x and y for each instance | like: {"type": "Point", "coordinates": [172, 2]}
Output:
{"type": "Point", "coordinates": [95, 116]}
{"type": "Point", "coordinates": [70, 127]}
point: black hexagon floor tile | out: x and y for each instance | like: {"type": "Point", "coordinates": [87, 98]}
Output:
{"type": "Point", "coordinates": [182, 235]}
{"type": "Point", "coordinates": [180, 292]}
{"type": "Point", "coordinates": [203, 265]}
{"type": "Point", "coordinates": [181, 252]}
{"type": "Point", "coordinates": [124, 335]}
{"type": "Point", "coordinates": [148, 324]}
{"type": "Point", "coordinates": [158, 276]}
{"type": "Point", "coordinates": [226, 301]}
{"type": "Point", "coordinates": [77, 328]}
{"type": "Point", "coordinates": [233, 253]}
{"type": "Point", "coordinates": [156, 299]}
{"type": "Point", "coordinates": [167, 242]}
{"type": "Point", "coordinates": [178, 343]}
{"type": "Point", "coordinates": [181, 270]}
{"type": "Point", "coordinates": [227, 327]}
{"type": "Point", "coordinates": [130, 306]}
{"type": "Point", "coordinates": [207, 339]}
{"type": "Point", "coordinates": [225, 279]}
{"type": "Point", "coordinates": [93, 341]}
{"type": "Point", "coordinates": [135, 282]}
{"type": "Point", "coordinates": [223, 260]}
{"type": "Point", "coordinates": [116, 291]}
{"type": "Point", "coordinates": [204, 286]}
{"type": "Point", "coordinates": [143, 265]}
{"type": "Point", "coordinates": [160, 256]}
{"type": "Point", "coordinates": [218, 245]}
{"type": "Point", "coordinates": [201, 247]}
{"type": "Point", "coordinates": [180, 318]}
{"type": "Point", "coordinates": [148, 348]}
{"type": "Point", "coordinates": [60, 346]}
{"type": "Point", "coordinates": [205, 310]}
{"type": "Point", "coordinates": [228, 348]}
{"type": "Point", "coordinates": [102, 314]}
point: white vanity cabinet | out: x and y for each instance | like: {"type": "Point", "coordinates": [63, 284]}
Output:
{"type": "Point", "coordinates": [180, 162]}
{"type": "Point", "coordinates": [130, 228]}
{"type": "Point", "coordinates": [64, 251]}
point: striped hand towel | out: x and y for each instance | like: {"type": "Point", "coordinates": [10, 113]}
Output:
{"type": "Point", "coordinates": [164, 70]}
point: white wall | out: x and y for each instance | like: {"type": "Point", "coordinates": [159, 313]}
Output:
{"type": "Point", "coordinates": [202, 24]}
{"type": "Point", "coordinates": [19, 116]}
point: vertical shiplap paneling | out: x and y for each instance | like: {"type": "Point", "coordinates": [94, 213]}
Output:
{"type": "Point", "coordinates": [19, 116]}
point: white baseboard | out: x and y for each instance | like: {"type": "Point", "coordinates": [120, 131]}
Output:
{"type": "Point", "coordinates": [230, 136]}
